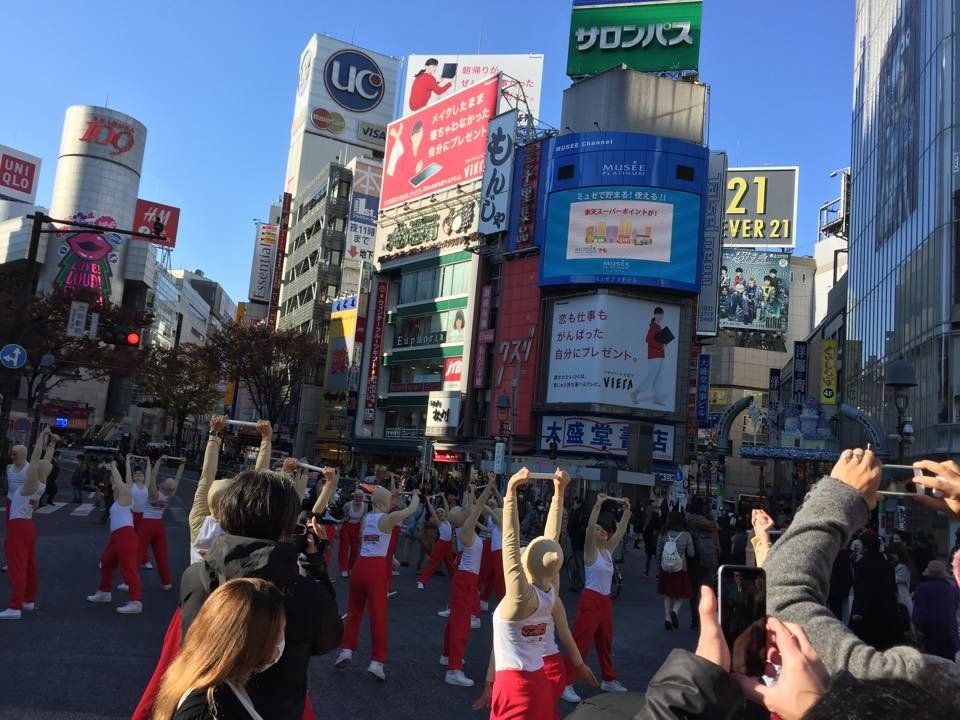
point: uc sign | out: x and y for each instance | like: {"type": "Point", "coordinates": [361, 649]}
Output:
{"type": "Point", "coordinates": [354, 80]}
{"type": "Point", "coordinates": [102, 132]}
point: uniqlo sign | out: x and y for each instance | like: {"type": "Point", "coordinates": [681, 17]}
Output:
{"type": "Point", "coordinates": [18, 175]}
{"type": "Point", "coordinates": [452, 373]}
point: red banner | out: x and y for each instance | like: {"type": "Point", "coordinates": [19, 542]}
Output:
{"type": "Point", "coordinates": [148, 212]}
{"type": "Point", "coordinates": [452, 373]}
{"type": "Point", "coordinates": [440, 146]}
{"type": "Point", "coordinates": [376, 348]}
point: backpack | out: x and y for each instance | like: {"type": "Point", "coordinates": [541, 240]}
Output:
{"type": "Point", "coordinates": [670, 560]}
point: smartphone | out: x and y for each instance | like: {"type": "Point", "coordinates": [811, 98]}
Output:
{"type": "Point", "coordinates": [742, 599]}
{"type": "Point", "coordinates": [898, 481]}
{"type": "Point", "coordinates": [425, 174]}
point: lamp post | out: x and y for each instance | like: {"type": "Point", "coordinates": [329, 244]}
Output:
{"type": "Point", "coordinates": [47, 362]}
{"type": "Point", "coordinates": [900, 378]}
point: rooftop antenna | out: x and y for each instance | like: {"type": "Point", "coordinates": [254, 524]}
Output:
{"type": "Point", "coordinates": [106, 103]}
{"type": "Point", "coordinates": [480, 37]}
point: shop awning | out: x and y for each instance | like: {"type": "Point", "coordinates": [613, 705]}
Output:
{"type": "Point", "coordinates": [765, 452]}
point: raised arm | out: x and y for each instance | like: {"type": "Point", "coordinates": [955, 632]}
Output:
{"type": "Point", "coordinates": [40, 463]}
{"type": "Point", "coordinates": [266, 438]}
{"type": "Point", "coordinates": [621, 527]}
{"type": "Point", "coordinates": [590, 541]}
{"type": "Point", "coordinates": [294, 473]}
{"type": "Point", "coordinates": [175, 483]}
{"type": "Point", "coordinates": [208, 473]}
{"type": "Point", "coordinates": [555, 514]}
{"type": "Point", "coordinates": [121, 487]}
{"type": "Point", "coordinates": [433, 513]}
{"type": "Point", "coordinates": [129, 474]}
{"type": "Point", "coordinates": [152, 492]}
{"type": "Point", "coordinates": [468, 531]}
{"type": "Point", "coordinates": [326, 494]}
{"type": "Point", "coordinates": [391, 520]}
{"type": "Point", "coordinates": [519, 597]}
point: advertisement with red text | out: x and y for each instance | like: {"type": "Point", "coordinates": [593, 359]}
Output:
{"type": "Point", "coordinates": [439, 146]}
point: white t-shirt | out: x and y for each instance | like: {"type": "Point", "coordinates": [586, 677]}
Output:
{"type": "Point", "coordinates": [154, 508]}
{"type": "Point", "coordinates": [374, 542]}
{"type": "Point", "coordinates": [470, 556]}
{"type": "Point", "coordinates": [22, 506]}
{"type": "Point", "coordinates": [522, 644]}
{"type": "Point", "coordinates": [210, 530]}
{"type": "Point", "coordinates": [16, 478]}
{"type": "Point", "coordinates": [599, 576]}
{"type": "Point", "coordinates": [354, 514]}
{"type": "Point", "coordinates": [120, 516]}
{"type": "Point", "coordinates": [445, 531]}
{"type": "Point", "coordinates": [140, 494]}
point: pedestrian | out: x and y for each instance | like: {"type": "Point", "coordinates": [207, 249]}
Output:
{"type": "Point", "coordinates": [874, 616]}
{"type": "Point", "coordinates": [651, 531]}
{"type": "Point", "coordinates": [442, 551]}
{"type": "Point", "coordinates": [353, 516]}
{"type": "Point", "coordinates": [122, 549]}
{"type": "Point", "coordinates": [935, 605]}
{"type": "Point", "coordinates": [50, 494]}
{"type": "Point", "coordinates": [410, 534]}
{"type": "Point", "coordinates": [841, 582]}
{"type": "Point", "coordinates": [738, 543]}
{"type": "Point", "coordinates": [464, 600]}
{"type": "Point", "coordinates": [703, 530]}
{"type": "Point", "coordinates": [20, 543]}
{"type": "Point", "coordinates": [428, 536]}
{"type": "Point", "coordinates": [369, 580]}
{"type": "Point", "coordinates": [903, 573]}
{"type": "Point", "coordinates": [153, 533]}
{"type": "Point", "coordinates": [674, 549]}
{"type": "Point", "coordinates": [238, 634]}
{"type": "Point", "coordinates": [593, 621]}
{"type": "Point", "coordinates": [76, 481]}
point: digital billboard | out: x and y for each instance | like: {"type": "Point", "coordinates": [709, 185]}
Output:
{"type": "Point", "coordinates": [613, 350]}
{"type": "Point", "coordinates": [761, 207]}
{"type": "Point", "coordinates": [754, 290]}
{"type": "Point", "coordinates": [439, 146]}
{"type": "Point", "coordinates": [644, 35]}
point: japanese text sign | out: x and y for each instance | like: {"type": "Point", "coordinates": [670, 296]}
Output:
{"type": "Point", "coordinates": [498, 174]}
{"type": "Point", "coordinates": [754, 290]}
{"type": "Point", "coordinates": [828, 372]}
{"type": "Point", "coordinates": [376, 347]}
{"type": "Point", "coordinates": [703, 388]}
{"type": "Point", "coordinates": [801, 364]}
{"type": "Point", "coordinates": [443, 414]}
{"type": "Point", "coordinates": [707, 303]}
{"type": "Point", "coordinates": [587, 434]}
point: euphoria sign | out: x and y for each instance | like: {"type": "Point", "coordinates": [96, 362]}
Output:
{"type": "Point", "coordinates": [354, 81]}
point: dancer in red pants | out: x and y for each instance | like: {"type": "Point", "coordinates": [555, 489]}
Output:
{"type": "Point", "coordinates": [122, 549]}
{"type": "Point", "coordinates": [463, 590]}
{"type": "Point", "coordinates": [368, 580]}
{"type": "Point", "coordinates": [20, 545]}
{"type": "Point", "coordinates": [353, 514]}
{"type": "Point", "coordinates": [152, 533]}
{"type": "Point", "coordinates": [492, 581]}
{"type": "Point", "coordinates": [16, 472]}
{"type": "Point", "coordinates": [443, 546]}
{"type": "Point", "coordinates": [594, 617]}
{"type": "Point", "coordinates": [138, 494]}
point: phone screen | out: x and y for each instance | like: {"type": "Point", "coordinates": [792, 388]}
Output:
{"type": "Point", "coordinates": [742, 594]}
{"type": "Point", "coordinates": [898, 480]}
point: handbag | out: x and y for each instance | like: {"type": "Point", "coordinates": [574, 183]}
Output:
{"type": "Point", "coordinates": [664, 337]}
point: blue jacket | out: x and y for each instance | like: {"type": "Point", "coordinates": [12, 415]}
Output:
{"type": "Point", "coordinates": [935, 615]}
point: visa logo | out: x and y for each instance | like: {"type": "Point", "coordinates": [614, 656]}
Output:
{"type": "Point", "coordinates": [374, 133]}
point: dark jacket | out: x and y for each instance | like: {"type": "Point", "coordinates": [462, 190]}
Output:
{"type": "Point", "coordinates": [841, 576]}
{"type": "Point", "coordinates": [935, 617]}
{"type": "Point", "coordinates": [313, 619]}
{"type": "Point", "coordinates": [226, 706]}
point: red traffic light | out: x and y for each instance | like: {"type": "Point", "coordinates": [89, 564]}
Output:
{"type": "Point", "coordinates": [133, 338]}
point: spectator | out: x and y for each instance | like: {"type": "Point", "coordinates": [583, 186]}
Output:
{"type": "Point", "coordinates": [935, 606]}
{"type": "Point", "coordinates": [738, 543]}
{"type": "Point", "coordinates": [651, 532]}
{"type": "Point", "coordinates": [798, 570]}
{"type": "Point", "coordinates": [50, 494]}
{"type": "Point", "coordinates": [874, 617]}
{"type": "Point", "coordinates": [707, 544]}
{"type": "Point", "coordinates": [841, 582]}
{"type": "Point", "coordinates": [674, 550]}
{"type": "Point", "coordinates": [238, 633]}
{"type": "Point", "coordinates": [762, 525]}
{"type": "Point", "coordinates": [577, 526]}
{"type": "Point", "coordinates": [903, 572]}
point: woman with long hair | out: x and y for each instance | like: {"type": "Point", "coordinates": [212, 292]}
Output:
{"type": "Point", "coordinates": [674, 547]}
{"type": "Point", "coordinates": [238, 633]}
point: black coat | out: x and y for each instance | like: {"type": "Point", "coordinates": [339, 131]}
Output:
{"type": "Point", "coordinates": [313, 618]}
{"type": "Point", "coordinates": [196, 707]}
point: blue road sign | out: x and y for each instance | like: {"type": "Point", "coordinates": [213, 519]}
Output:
{"type": "Point", "coordinates": [13, 357]}
{"type": "Point", "coordinates": [21, 426]}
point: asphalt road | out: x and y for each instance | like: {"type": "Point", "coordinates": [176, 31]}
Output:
{"type": "Point", "coordinates": [72, 660]}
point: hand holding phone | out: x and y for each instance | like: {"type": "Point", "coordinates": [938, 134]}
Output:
{"type": "Point", "coordinates": [743, 612]}
{"type": "Point", "coordinates": [901, 481]}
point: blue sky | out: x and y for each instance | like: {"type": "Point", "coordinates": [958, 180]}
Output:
{"type": "Point", "coordinates": [214, 83]}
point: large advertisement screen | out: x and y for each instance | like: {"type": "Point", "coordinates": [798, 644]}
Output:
{"type": "Point", "coordinates": [644, 35]}
{"type": "Point", "coordinates": [611, 350]}
{"type": "Point", "coordinates": [755, 290]}
{"type": "Point", "coordinates": [439, 146]}
{"type": "Point", "coordinates": [624, 235]}
{"type": "Point", "coordinates": [431, 78]}
{"type": "Point", "coordinates": [761, 207]}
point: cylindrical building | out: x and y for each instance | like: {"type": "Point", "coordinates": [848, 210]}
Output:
{"type": "Point", "coordinates": [97, 180]}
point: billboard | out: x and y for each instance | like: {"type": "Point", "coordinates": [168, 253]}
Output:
{"type": "Point", "coordinates": [828, 372]}
{"type": "Point", "coordinates": [589, 434]}
{"type": "Point", "coordinates": [755, 290]}
{"type": "Point", "coordinates": [498, 174]}
{"type": "Point", "coordinates": [801, 371]}
{"type": "Point", "coordinates": [612, 350]}
{"type": "Point", "coordinates": [149, 211]}
{"type": "Point", "coordinates": [431, 78]}
{"type": "Point", "coordinates": [264, 260]}
{"type": "Point", "coordinates": [440, 146]}
{"type": "Point", "coordinates": [761, 207]}
{"type": "Point", "coordinates": [649, 36]}
{"type": "Point", "coordinates": [376, 348]}
{"type": "Point", "coordinates": [343, 328]}
{"type": "Point", "coordinates": [443, 413]}
{"type": "Point", "coordinates": [452, 372]}
{"type": "Point", "coordinates": [19, 173]}
{"type": "Point", "coordinates": [364, 210]}
{"type": "Point", "coordinates": [707, 310]}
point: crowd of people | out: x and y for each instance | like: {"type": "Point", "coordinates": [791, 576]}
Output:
{"type": "Point", "coordinates": [257, 600]}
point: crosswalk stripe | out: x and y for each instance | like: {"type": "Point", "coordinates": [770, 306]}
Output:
{"type": "Point", "coordinates": [83, 510]}
{"type": "Point", "coordinates": [47, 509]}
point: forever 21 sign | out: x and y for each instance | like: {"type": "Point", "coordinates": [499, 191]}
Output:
{"type": "Point", "coordinates": [110, 133]}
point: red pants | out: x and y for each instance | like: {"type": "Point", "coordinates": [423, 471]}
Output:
{"type": "Point", "coordinates": [557, 675]}
{"type": "Point", "coordinates": [154, 535]}
{"type": "Point", "coordinates": [494, 583]}
{"type": "Point", "coordinates": [521, 695]}
{"type": "Point", "coordinates": [442, 551]}
{"type": "Point", "coordinates": [121, 550]}
{"type": "Point", "coordinates": [463, 599]}
{"type": "Point", "coordinates": [20, 548]}
{"type": "Point", "coordinates": [137, 519]}
{"type": "Point", "coordinates": [349, 546]}
{"type": "Point", "coordinates": [593, 621]}
{"type": "Point", "coordinates": [368, 584]}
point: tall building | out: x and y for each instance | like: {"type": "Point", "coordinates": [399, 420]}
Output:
{"type": "Point", "coordinates": [904, 271]}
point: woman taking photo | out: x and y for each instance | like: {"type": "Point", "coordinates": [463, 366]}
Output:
{"type": "Point", "coordinates": [238, 633]}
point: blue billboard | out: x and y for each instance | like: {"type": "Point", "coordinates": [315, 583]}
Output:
{"type": "Point", "coordinates": [621, 209]}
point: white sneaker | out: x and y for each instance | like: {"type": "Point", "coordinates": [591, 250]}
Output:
{"type": "Point", "coordinates": [376, 669]}
{"type": "Point", "coordinates": [100, 597]}
{"type": "Point", "coordinates": [343, 659]}
{"type": "Point", "coordinates": [123, 586]}
{"type": "Point", "coordinates": [132, 607]}
{"type": "Point", "coordinates": [570, 695]}
{"type": "Point", "coordinates": [444, 613]}
{"type": "Point", "coordinates": [344, 573]}
{"type": "Point", "coordinates": [474, 622]}
{"type": "Point", "coordinates": [168, 587]}
{"type": "Point", "coordinates": [147, 565]}
{"type": "Point", "coordinates": [612, 686]}
{"type": "Point", "coordinates": [10, 614]}
{"type": "Point", "coordinates": [444, 660]}
{"type": "Point", "coordinates": [419, 586]}
{"type": "Point", "coordinates": [484, 605]}
{"type": "Point", "coordinates": [29, 606]}
{"type": "Point", "coordinates": [395, 572]}
{"type": "Point", "coordinates": [456, 677]}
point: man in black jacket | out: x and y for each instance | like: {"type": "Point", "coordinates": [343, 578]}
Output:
{"type": "Point", "coordinates": [259, 514]}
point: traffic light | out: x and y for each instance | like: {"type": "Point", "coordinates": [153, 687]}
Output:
{"type": "Point", "coordinates": [121, 336]}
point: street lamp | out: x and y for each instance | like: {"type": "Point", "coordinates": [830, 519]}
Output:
{"type": "Point", "coordinates": [900, 378]}
{"type": "Point", "coordinates": [47, 362]}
